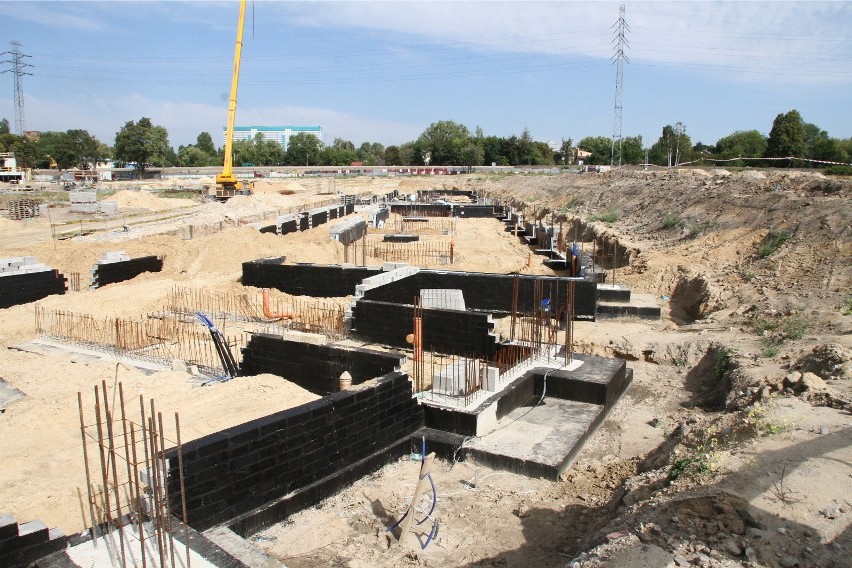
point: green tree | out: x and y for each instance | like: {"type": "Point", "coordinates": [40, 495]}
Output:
{"type": "Point", "coordinates": [471, 155]}
{"type": "Point", "coordinates": [632, 151]}
{"type": "Point", "coordinates": [192, 157]}
{"type": "Point", "coordinates": [742, 144]}
{"type": "Point", "coordinates": [4, 126]}
{"type": "Point", "coordinates": [599, 146]}
{"type": "Point", "coordinates": [204, 142]}
{"type": "Point", "coordinates": [673, 147]}
{"type": "Point", "coordinates": [566, 152]}
{"type": "Point", "coordinates": [492, 150]}
{"type": "Point", "coordinates": [371, 154]}
{"type": "Point", "coordinates": [392, 157]}
{"type": "Point", "coordinates": [144, 144]}
{"type": "Point", "coordinates": [303, 149]}
{"type": "Point", "coordinates": [406, 154]}
{"type": "Point", "coordinates": [787, 137]}
{"type": "Point", "coordinates": [441, 143]}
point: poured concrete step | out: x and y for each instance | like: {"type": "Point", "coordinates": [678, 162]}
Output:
{"type": "Point", "coordinates": [641, 306]}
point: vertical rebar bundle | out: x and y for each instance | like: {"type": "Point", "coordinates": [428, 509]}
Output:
{"type": "Point", "coordinates": [132, 498]}
{"type": "Point", "coordinates": [313, 315]}
{"type": "Point", "coordinates": [412, 253]}
{"type": "Point", "coordinates": [158, 340]}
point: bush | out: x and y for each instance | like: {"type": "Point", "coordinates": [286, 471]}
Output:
{"type": "Point", "coordinates": [610, 216]}
{"type": "Point", "coordinates": [795, 327]}
{"type": "Point", "coordinates": [672, 221]}
{"type": "Point", "coordinates": [769, 347]}
{"type": "Point", "coordinates": [838, 170]}
{"type": "Point", "coordinates": [772, 242]}
{"type": "Point", "coordinates": [846, 308]}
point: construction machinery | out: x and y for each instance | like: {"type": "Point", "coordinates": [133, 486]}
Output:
{"type": "Point", "coordinates": [227, 184]}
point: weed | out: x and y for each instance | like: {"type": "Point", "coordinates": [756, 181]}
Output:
{"type": "Point", "coordinates": [781, 491]}
{"type": "Point", "coordinates": [609, 216]}
{"type": "Point", "coordinates": [792, 327]}
{"type": "Point", "coordinates": [747, 274]}
{"type": "Point", "coordinates": [672, 221]}
{"type": "Point", "coordinates": [762, 417]}
{"type": "Point", "coordinates": [769, 347]}
{"type": "Point", "coordinates": [846, 308]}
{"type": "Point", "coordinates": [723, 362]}
{"type": "Point", "coordinates": [703, 459]}
{"type": "Point", "coordinates": [772, 242]}
{"type": "Point", "coordinates": [695, 230]}
{"type": "Point", "coordinates": [795, 327]}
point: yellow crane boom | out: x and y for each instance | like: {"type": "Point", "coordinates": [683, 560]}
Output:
{"type": "Point", "coordinates": [227, 184]}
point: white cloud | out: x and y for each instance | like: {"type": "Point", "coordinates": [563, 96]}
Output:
{"type": "Point", "coordinates": [785, 42]}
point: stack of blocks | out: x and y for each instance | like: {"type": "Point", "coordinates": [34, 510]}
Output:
{"type": "Point", "coordinates": [116, 266]}
{"type": "Point", "coordinates": [22, 544]}
{"type": "Point", "coordinates": [23, 279]}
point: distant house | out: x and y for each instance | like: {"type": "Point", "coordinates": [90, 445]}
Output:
{"type": "Point", "coordinates": [580, 156]}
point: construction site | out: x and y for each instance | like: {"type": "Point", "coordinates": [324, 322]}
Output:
{"type": "Point", "coordinates": [285, 377]}
{"type": "Point", "coordinates": [617, 367]}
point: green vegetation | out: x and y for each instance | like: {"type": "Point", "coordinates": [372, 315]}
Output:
{"type": "Point", "coordinates": [791, 327]}
{"type": "Point", "coordinates": [846, 308]}
{"type": "Point", "coordinates": [772, 242]}
{"type": "Point", "coordinates": [722, 362]}
{"type": "Point", "coordinates": [609, 216]}
{"type": "Point", "coordinates": [769, 346]}
{"type": "Point", "coordinates": [672, 221]}
{"type": "Point", "coordinates": [838, 171]}
{"type": "Point", "coordinates": [747, 274]}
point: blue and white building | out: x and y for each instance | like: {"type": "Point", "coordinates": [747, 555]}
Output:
{"type": "Point", "coordinates": [280, 134]}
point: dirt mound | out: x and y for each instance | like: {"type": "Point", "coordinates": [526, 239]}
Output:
{"type": "Point", "coordinates": [828, 361]}
{"type": "Point", "coordinates": [146, 200]}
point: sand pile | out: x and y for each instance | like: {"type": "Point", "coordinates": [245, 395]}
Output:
{"type": "Point", "coordinates": [146, 200]}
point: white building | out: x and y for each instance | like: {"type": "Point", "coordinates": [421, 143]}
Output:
{"type": "Point", "coordinates": [280, 134]}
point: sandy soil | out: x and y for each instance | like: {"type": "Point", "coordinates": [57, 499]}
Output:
{"type": "Point", "coordinates": [744, 464]}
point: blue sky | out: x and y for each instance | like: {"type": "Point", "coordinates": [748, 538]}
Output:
{"type": "Point", "coordinates": [383, 71]}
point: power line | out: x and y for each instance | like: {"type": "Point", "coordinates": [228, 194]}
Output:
{"type": "Point", "coordinates": [17, 70]}
{"type": "Point", "coordinates": [621, 43]}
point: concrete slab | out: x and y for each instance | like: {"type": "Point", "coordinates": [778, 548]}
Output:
{"type": "Point", "coordinates": [43, 346]}
{"type": "Point", "coordinates": [8, 395]}
{"type": "Point", "coordinates": [540, 440]}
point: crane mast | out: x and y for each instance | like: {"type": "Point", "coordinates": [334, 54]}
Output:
{"type": "Point", "coordinates": [227, 184]}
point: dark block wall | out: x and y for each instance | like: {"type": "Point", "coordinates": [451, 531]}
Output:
{"type": "Point", "coordinates": [237, 470]}
{"type": "Point", "coordinates": [113, 272]}
{"type": "Point", "coordinates": [318, 219]}
{"type": "Point", "coordinates": [316, 368]}
{"type": "Point", "coordinates": [304, 222]}
{"type": "Point", "coordinates": [22, 550]}
{"type": "Point", "coordinates": [23, 288]}
{"type": "Point", "coordinates": [424, 209]}
{"type": "Point", "coordinates": [288, 227]}
{"type": "Point", "coordinates": [474, 211]}
{"type": "Point", "coordinates": [489, 292]}
{"type": "Point", "coordinates": [332, 281]}
{"type": "Point", "coordinates": [444, 331]}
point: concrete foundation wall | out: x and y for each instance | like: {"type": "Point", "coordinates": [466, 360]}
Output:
{"type": "Point", "coordinates": [316, 280]}
{"type": "Point", "coordinates": [112, 272]}
{"type": "Point", "coordinates": [316, 368]}
{"type": "Point", "coordinates": [238, 470]}
{"type": "Point", "coordinates": [489, 292]}
{"type": "Point", "coordinates": [444, 331]}
{"type": "Point", "coordinates": [18, 289]}
{"type": "Point", "coordinates": [22, 544]}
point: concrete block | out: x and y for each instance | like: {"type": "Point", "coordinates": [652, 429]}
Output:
{"type": "Point", "coordinates": [491, 376]}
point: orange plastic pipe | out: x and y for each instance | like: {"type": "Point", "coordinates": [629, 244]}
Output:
{"type": "Point", "coordinates": [268, 314]}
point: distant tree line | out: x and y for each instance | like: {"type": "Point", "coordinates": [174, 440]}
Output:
{"type": "Point", "coordinates": [442, 143]}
